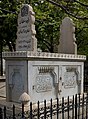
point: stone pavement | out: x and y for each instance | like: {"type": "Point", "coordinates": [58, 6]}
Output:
{"type": "Point", "coordinates": [2, 88]}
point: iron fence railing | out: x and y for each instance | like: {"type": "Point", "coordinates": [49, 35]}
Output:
{"type": "Point", "coordinates": [75, 107]}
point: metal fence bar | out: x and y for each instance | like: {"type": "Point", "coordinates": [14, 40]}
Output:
{"type": "Point", "coordinates": [22, 110]}
{"type": "Point", "coordinates": [76, 106]}
{"type": "Point", "coordinates": [14, 112]}
{"type": "Point", "coordinates": [31, 110]}
{"type": "Point", "coordinates": [44, 109]}
{"type": "Point", "coordinates": [68, 107]}
{"type": "Point", "coordinates": [4, 112]}
{"type": "Point", "coordinates": [79, 107]}
{"type": "Point", "coordinates": [63, 107]}
{"type": "Point", "coordinates": [38, 111]}
{"type": "Point", "coordinates": [73, 107]}
{"type": "Point", "coordinates": [51, 111]}
{"type": "Point", "coordinates": [57, 108]}
{"type": "Point", "coordinates": [82, 106]}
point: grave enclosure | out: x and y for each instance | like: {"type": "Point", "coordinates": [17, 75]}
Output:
{"type": "Point", "coordinates": [43, 75]}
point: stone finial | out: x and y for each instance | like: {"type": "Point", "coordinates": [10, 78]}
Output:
{"type": "Point", "coordinates": [24, 98]}
{"type": "Point", "coordinates": [67, 37]}
{"type": "Point", "coordinates": [26, 40]}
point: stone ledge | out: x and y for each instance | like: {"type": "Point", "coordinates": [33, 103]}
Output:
{"type": "Point", "coordinates": [30, 54]}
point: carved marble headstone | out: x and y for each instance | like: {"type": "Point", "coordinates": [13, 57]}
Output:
{"type": "Point", "coordinates": [26, 40]}
{"type": "Point", "coordinates": [67, 37]}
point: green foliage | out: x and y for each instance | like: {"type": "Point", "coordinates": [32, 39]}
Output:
{"type": "Point", "coordinates": [48, 20]}
{"type": "Point", "coordinates": [49, 15]}
{"type": "Point", "coordinates": [8, 25]}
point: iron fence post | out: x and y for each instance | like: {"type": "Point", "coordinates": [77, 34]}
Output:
{"type": "Point", "coordinates": [51, 108]}
{"type": "Point", "coordinates": [57, 107]}
{"type": "Point", "coordinates": [76, 106]}
{"type": "Point", "coordinates": [38, 111]}
{"type": "Point", "coordinates": [44, 109]}
{"type": "Point", "coordinates": [62, 107]}
{"type": "Point", "coordinates": [4, 112]}
{"type": "Point", "coordinates": [22, 110]}
{"type": "Point", "coordinates": [30, 110]}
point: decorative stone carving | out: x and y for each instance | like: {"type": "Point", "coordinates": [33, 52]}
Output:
{"type": "Point", "coordinates": [29, 54]}
{"type": "Point", "coordinates": [44, 83]}
{"type": "Point", "coordinates": [45, 79]}
{"type": "Point", "coordinates": [45, 69]}
{"type": "Point", "coordinates": [24, 98]}
{"type": "Point", "coordinates": [70, 77]}
{"type": "Point", "coordinates": [26, 40]}
{"type": "Point", "coordinates": [24, 11]}
{"type": "Point", "coordinates": [15, 82]}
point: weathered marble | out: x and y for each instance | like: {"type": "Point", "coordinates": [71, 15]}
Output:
{"type": "Point", "coordinates": [26, 40]}
{"type": "Point", "coordinates": [25, 54]}
{"type": "Point", "coordinates": [40, 74]}
{"type": "Point", "coordinates": [24, 98]}
{"type": "Point", "coordinates": [67, 43]}
{"type": "Point", "coordinates": [43, 76]}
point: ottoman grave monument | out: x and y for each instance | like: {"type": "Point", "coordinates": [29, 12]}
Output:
{"type": "Point", "coordinates": [43, 75]}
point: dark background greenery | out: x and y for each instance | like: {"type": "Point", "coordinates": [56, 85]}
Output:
{"type": "Point", "coordinates": [49, 15]}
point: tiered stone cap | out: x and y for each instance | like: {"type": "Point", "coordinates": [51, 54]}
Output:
{"type": "Point", "coordinates": [30, 54]}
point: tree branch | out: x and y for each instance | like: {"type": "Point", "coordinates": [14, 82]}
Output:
{"type": "Point", "coordinates": [81, 3]}
{"type": "Point", "coordinates": [7, 11]}
{"type": "Point", "coordinates": [86, 27]}
{"type": "Point", "coordinates": [66, 11]}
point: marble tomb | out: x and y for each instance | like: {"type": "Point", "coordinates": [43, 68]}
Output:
{"type": "Point", "coordinates": [42, 75]}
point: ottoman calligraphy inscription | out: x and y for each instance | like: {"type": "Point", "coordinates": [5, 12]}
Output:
{"type": "Point", "coordinates": [70, 78]}
{"type": "Point", "coordinates": [44, 83]}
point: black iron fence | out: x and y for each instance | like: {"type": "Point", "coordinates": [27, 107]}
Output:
{"type": "Point", "coordinates": [75, 107]}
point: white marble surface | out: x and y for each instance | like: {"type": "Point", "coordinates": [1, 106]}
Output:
{"type": "Point", "coordinates": [16, 79]}
{"type": "Point", "coordinates": [29, 54]}
{"type": "Point", "coordinates": [51, 67]}
{"type": "Point", "coordinates": [60, 80]}
{"type": "Point", "coordinates": [26, 40]}
{"type": "Point", "coordinates": [67, 43]}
